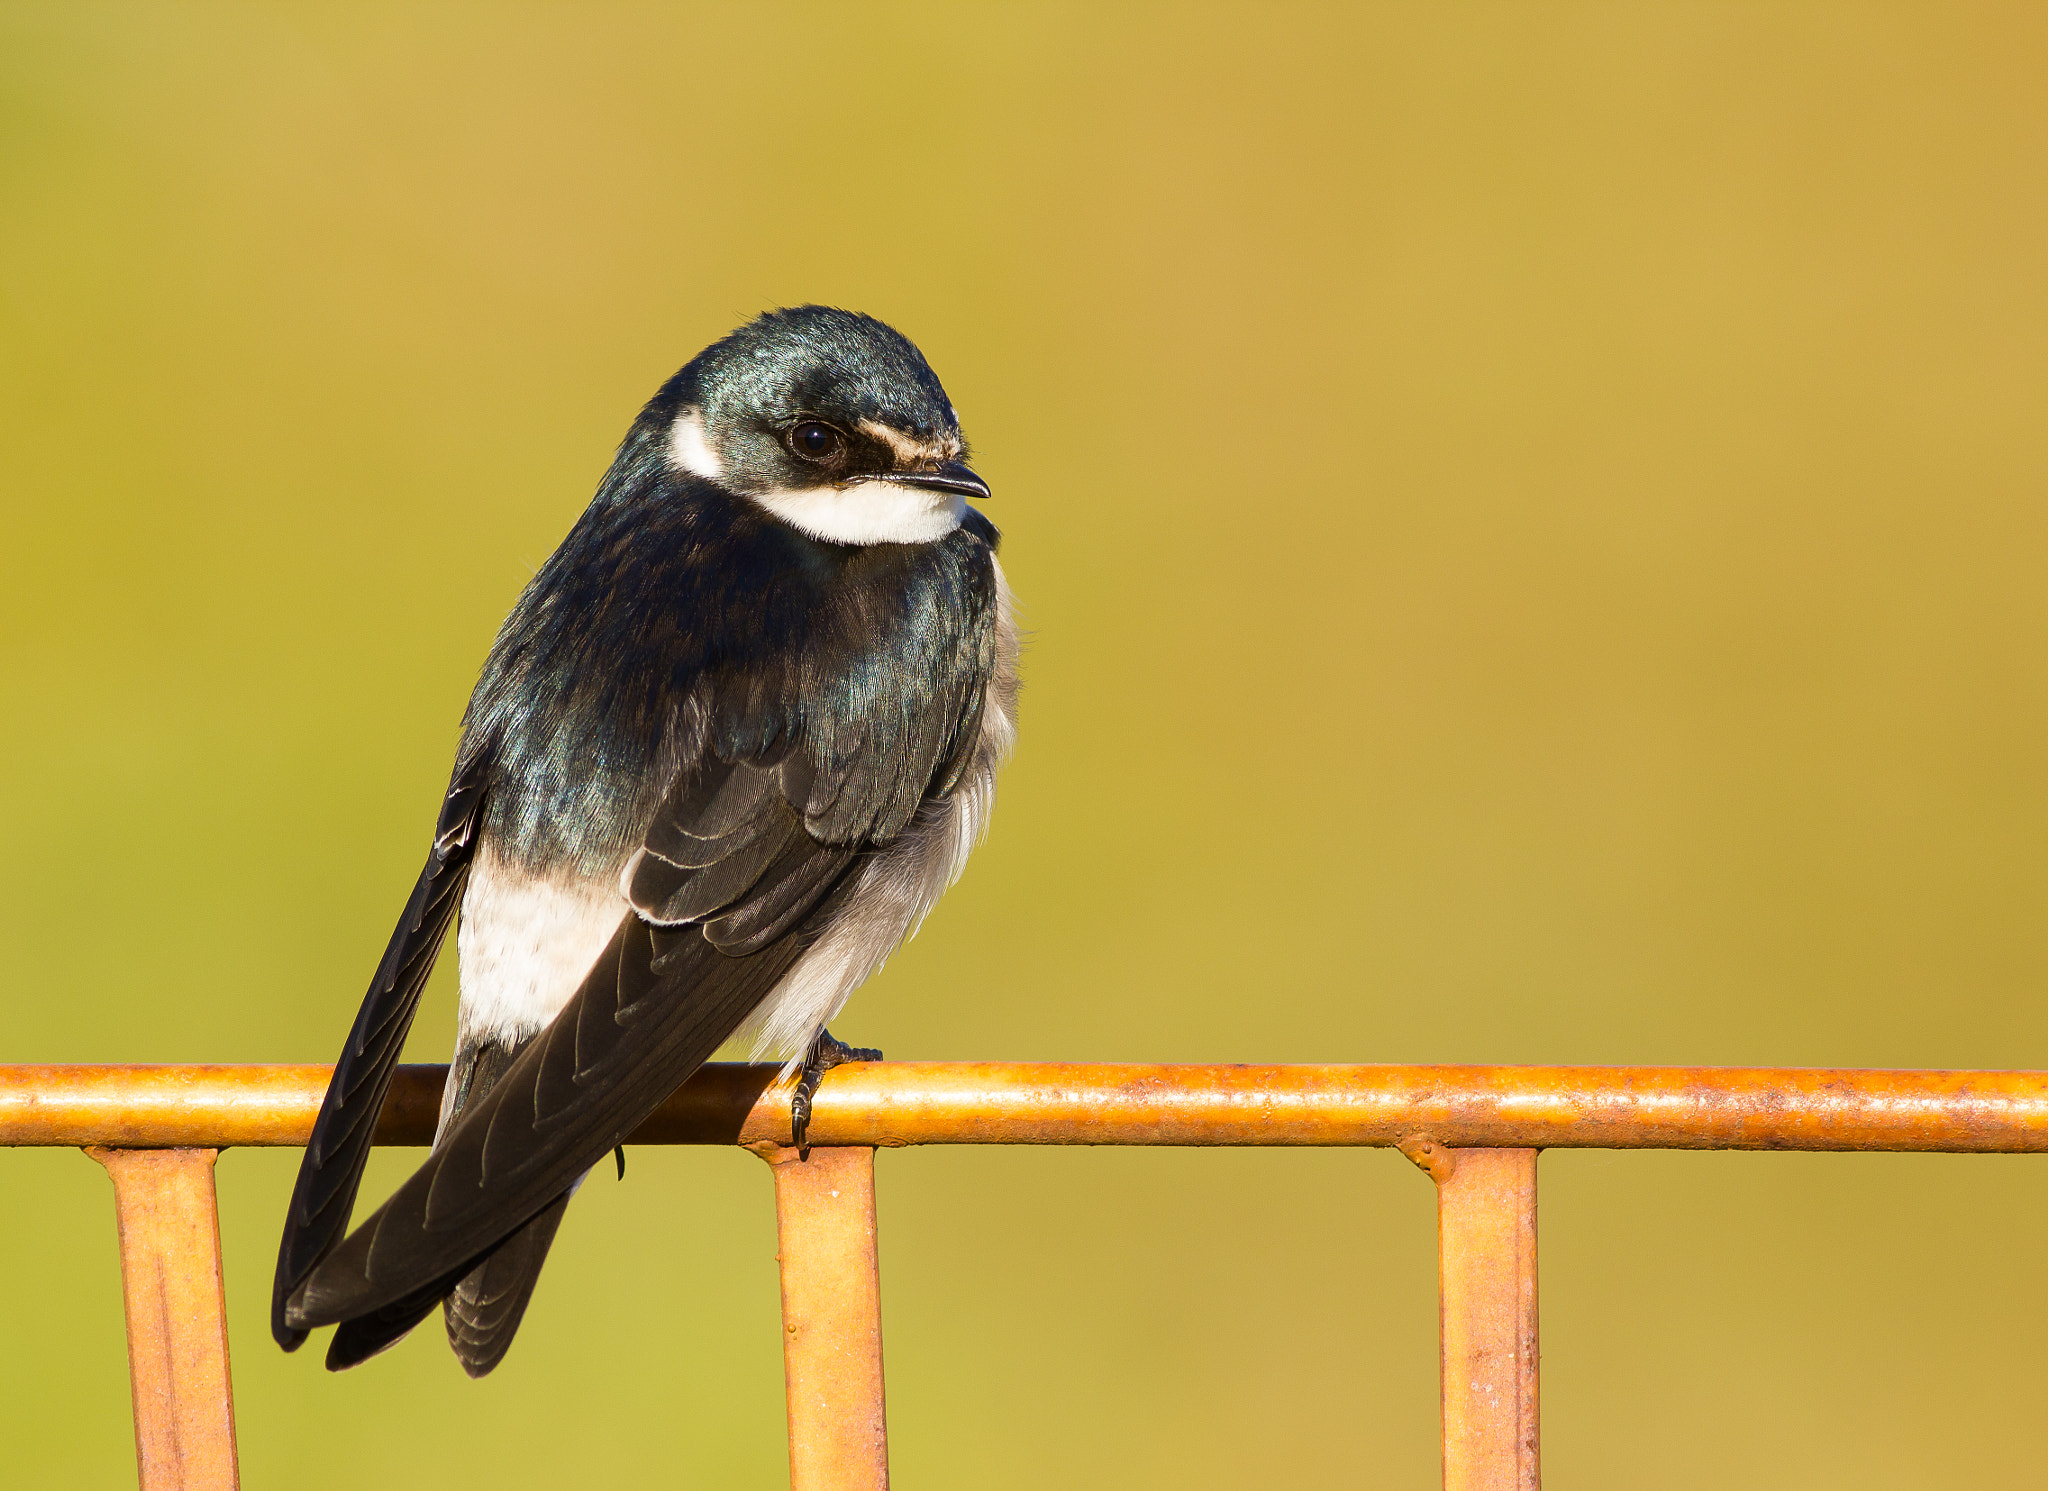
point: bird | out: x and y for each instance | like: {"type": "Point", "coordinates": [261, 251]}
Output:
{"type": "Point", "coordinates": [729, 747]}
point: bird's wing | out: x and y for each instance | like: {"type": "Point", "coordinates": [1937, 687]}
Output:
{"type": "Point", "coordinates": [741, 862]}
{"type": "Point", "coordinates": [332, 1167]}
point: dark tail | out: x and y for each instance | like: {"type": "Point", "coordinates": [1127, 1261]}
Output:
{"type": "Point", "coordinates": [484, 1305]}
{"type": "Point", "coordinates": [485, 1309]}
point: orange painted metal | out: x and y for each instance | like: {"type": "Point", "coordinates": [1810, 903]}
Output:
{"type": "Point", "coordinates": [831, 1318]}
{"type": "Point", "coordinates": [1475, 1129]}
{"type": "Point", "coordinates": [169, 1106]}
{"type": "Point", "coordinates": [1486, 1268]}
{"type": "Point", "coordinates": [177, 1317]}
{"type": "Point", "coordinates": [897, 1103]}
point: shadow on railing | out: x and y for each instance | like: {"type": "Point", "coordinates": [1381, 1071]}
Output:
{"type": "Point", "coordinates": [1474, 1130]}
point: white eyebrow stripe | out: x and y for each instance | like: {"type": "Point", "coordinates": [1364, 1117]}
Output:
{"type": "Point", "coordinates": [868, 512]}
{"type": "Point", "coordinates": [689, 450]}
{"type": "Point", "coordinates": [909, 452]}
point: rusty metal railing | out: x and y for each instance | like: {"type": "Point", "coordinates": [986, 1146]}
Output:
{"type": "Point", "coordinates": [1475, 1130]}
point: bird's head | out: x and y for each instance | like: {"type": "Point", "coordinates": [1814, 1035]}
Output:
{"type": "Point", "coordinates": [832, 421]}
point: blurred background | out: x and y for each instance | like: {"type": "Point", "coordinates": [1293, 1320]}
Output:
{"type": "Point", "coordinates": [1531, 525]}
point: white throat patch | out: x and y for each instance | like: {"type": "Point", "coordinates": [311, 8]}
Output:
{"type": "Point", "coordinates": [868, 512]}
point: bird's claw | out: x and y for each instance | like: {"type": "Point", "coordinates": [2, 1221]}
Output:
{"type": "Point", "coordinates": [826, 1053]}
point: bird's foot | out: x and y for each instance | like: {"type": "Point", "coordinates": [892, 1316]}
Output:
{"type": "Point", "coordinates": [826, 1053]}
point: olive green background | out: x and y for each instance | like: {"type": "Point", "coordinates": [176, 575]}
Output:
{"type": "Point", "coordinates": [1531, 522]}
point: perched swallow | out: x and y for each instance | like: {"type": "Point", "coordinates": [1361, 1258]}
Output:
{"type": "Point", "coordinates": [729, 748]}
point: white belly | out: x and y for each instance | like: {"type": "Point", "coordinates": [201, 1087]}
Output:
{"type": "Point", "coordinates": [525, 944]}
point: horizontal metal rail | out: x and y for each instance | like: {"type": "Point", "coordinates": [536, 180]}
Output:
{"type": "Point", "coordinates": [1475, 1130]}
{"type": "Point", "coordinates": [908, 1102]}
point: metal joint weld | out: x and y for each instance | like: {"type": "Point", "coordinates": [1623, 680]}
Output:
{"type": "Point", "coordinates": [1439, 1161]}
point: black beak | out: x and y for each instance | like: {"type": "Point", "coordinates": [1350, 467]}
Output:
{"type": "Point", "coordinates": [951, 476]}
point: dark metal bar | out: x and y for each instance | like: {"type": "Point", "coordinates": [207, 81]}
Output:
{"type": "Point", "coordinates": [898, 1103]}
{"type": "Point", "coordinates": [177, 1318]}
{"type": "Point", "coordinates": [831, 1318]}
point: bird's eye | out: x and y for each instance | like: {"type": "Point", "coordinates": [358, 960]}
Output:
{"type": "Point", "coordinates": [815, 441]}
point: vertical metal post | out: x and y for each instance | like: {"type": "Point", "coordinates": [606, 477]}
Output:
{"type": "Point", "coordinates": [1486, 1269]}
{"type": "Point", "coordinates": [177, 1317]}
{"type": "Point", "coordinates": [831, 1318]}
